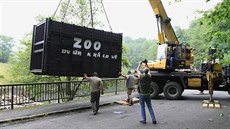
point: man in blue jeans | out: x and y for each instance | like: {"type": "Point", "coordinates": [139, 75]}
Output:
{"type": "Point", "coordinates": [144, 92]}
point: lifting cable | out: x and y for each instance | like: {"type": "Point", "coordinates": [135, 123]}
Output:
{"type": "Point", "coordinates": [106, 15]}
{"type": "Point", "coordinates": [65, 11]}
{"type": "Point", "coordinates": [56, 9]}
{"type": "Point", "coordinates": [90, 10]}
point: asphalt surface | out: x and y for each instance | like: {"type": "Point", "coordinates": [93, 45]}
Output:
{"type": "Point", "coordinates": [186, 113]}
{"type": "Point", "coordinates": [19, 114]}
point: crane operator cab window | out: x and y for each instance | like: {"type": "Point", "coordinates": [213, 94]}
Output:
{"type": "Point", "coordinates": [176, 56]}
{"type": "Point", "coordinates": [180, 56]}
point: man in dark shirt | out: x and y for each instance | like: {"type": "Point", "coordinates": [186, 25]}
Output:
{"type": "Point", "coordinates": [144, 93]}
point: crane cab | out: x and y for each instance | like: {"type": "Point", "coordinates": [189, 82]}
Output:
{"type": "Point", "coordinates": [172, 56]}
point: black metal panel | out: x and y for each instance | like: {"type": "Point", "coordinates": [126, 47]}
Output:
{"type": "Point", "coordinates": [227, 71]}
{"type": "Point", "coordinates": [68, 50]}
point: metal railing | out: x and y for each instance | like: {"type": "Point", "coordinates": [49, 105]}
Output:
{"type": "Point", "coordinates": [19, 94]}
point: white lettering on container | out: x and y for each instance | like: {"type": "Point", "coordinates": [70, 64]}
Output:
{"type": "Point", "coordinates": [97, 54]}
{"type": "Point", "coordinates": [114, 56]}
{"type": "Point", "coordinates": [97, 45]}
{"type": "Point", "coordinates": [64, 51]}
{"type": "Point", "coordinates": [76, 52]}
{"type": "Point", "coordinates": [87, 44]}
{"type": "Point", "coordinates": [89, 54]}
{"type": "Point", "coordinates": [77, 43]}
{"type": "Point", "coordinates": [105, 56]}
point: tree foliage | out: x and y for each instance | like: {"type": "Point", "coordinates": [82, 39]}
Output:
{"type": "Point", "coordinates": [6, 44]}
{"type": "Point", "coordinates": [125, 59]}
{"type": "Point", "coordinates": [139, 49]}
{"type": "Point", "coordinates": [195, 36]}
{"type": "Point", "coordinates": [78, 12]}
{"type": "Point", "coordinates": [211, 30]}
{"type": "Point", "coordinates": [218, 20]}
{"type": "Point", "coordinates": [19, 71]}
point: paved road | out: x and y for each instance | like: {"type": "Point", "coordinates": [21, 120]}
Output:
{"type": "Point", "coordinates": [186, 113]}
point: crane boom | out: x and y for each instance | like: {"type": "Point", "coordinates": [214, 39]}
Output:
{"type": "Point", "coordinates": [164, 25]}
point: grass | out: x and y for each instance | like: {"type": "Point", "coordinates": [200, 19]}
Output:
{"type": "Point", "coordinates": [3, 73]}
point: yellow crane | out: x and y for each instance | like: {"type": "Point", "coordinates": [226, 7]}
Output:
{"type": "Point", "coordinates": [171, 71]}
{"type": "Point", "coordinates": [170, 54]}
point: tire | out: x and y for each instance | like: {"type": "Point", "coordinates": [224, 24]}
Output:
{"type": "Point", "coordinates": [154, 90]}
{"type": "Point", "coordinates": [172, 90]}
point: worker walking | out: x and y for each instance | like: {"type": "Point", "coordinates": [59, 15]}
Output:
{"type": "Point", "coordinates": [130, 85]}
{"type": "Point", "coordinates": [96, 89]}
{"type": "Point", "coordinates": [144, 93]}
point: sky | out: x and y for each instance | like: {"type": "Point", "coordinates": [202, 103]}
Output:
{"type": "Point", "coordinates": [133, 18]}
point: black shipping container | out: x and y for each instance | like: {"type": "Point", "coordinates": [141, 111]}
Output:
{"type": "Point", "coordinates": [62, 49]}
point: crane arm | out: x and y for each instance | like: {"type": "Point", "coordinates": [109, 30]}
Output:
{"type": "Point", "coordinates": [164, 25]}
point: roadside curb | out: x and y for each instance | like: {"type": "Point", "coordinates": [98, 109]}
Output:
{"type": "Point", "coordinates": [29, 117]}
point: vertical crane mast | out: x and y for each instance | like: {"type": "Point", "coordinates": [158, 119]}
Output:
{"type": "Point", "coordinates": [163, 23]}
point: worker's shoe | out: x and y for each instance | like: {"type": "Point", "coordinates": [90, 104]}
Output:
{"type": "Point", "coordinates": [95, 112]}
{"type": "Point", "coordinates": [143, 122]}
{"type": "Point", "coordinates": [154, 122]}
{"type": "Point", "coordinates": [131, 103]}
{"type": "Point", "coordinates": [93, 106]}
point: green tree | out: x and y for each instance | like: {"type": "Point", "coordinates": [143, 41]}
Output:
{"type": "Point", "coordinates": [78, 12]}
{"type": "Point", "coordinates": [19, 71]}
{"type": "Point", "coordinates": [181, 34]}
{"type": "Point", "coordinates": [196, 38]}
{"type": "Point", "coordinates": [125, 60]}
{"type": "Point", "coordinates": [6, 44]}
{"type": "Point", "coordinates": [211, 30]}
{"type": "Point", "coordinates": [140, 49]}
{"type": "Point", "coordinates": [219, 21]}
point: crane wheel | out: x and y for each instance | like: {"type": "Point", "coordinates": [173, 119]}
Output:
{"type": "Point", "coordinates": [172, 90]}
{"type": "Point", "coordinates": [154, 90]}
